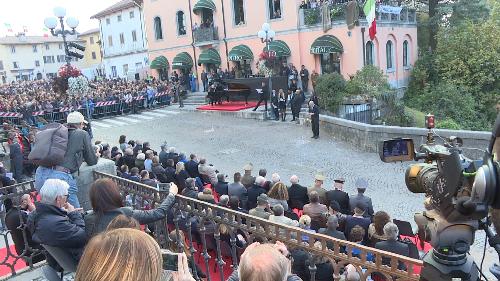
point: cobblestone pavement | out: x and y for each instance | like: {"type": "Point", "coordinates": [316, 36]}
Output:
{"type": "Point", "coordinates": [283, 147]}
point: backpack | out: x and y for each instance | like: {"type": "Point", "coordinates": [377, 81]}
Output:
{"type": "Point", "coordinates": [50, 145]}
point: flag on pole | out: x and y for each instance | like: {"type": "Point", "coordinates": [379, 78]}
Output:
{"type": "Point", "coordinates": [8, 27]}
{"type": "Point", "coordinates": [45, 32]}
{"type": "Point", "coordinates": [369, 10]}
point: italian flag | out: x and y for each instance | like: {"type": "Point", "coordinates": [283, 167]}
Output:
{"type": "Point", "coordinates": [369, 10]}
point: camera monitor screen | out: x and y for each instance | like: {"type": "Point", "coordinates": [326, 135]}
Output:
{"type": "Point", "coordinates": [397, 150]}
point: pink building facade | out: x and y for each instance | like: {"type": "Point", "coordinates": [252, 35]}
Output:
{"type": "Point", "coordinates": [192, 35]}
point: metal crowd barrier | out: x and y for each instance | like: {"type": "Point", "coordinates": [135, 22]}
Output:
{"type": "Point", "coordinates": [99, 110]}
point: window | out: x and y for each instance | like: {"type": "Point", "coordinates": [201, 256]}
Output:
{"type": "Point", "coordinates": [239, 13]}
{"type": "Point", "coordinates": [138, 65]}
{"type": "Point", "coordinates": [113, 71]}
{"type": "Point", "coordinates": [91, 39]}
{"type": "Point", "coordinates": [122, 38]}
{"type": "Point", "coordinates": [15, 64]}
{"type": "Point", "coordinates": [181, 24]}
{"type": "Point", "coordinates": [1, 65]}
{"type": "Point", "coordinates": [134, 36]}
{"type": "Point", "coordinates": [405, 53]}
{"type": "Point", "coordinates": [94, 56]}
{"type": "Point", "coordinates": [61, 58]}
{"type": "Point", "coordinates": [13, 49]}
{"type": "Point", "coordinates": [108, 21]}
{"type": "Point", "coordinates": [131, 14]}
{"type": "Point", "coordinates": [388, 54]}
{"type": "Point", "coordinates": [330, 63]}
{"type": "Point", "coordinates": [158, 30]}
{"type": "Point", "coordinates": [110, 41]}
{"type": "Point", "coordinates": [47, 47]}
{"type": "Point", "coordinates": [49, 59]}
{"type": "Point", "coordinates": [60, 46]}
{"type": "Point", "coordinates": [125, 69]}
{"type": "Point", "coordinates": [37, 63]}
{"type": "Point", "coordinates": [119, 18]}
{"type": "Point", "coordinates": [274, 9]}
{"type": "Point", "coordinates": [35, 49]}
{"type": "Point", "coordinates": [369, 53]}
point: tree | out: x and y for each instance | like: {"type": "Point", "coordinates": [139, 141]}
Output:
{"type": "Point", "coordinates": [331, 91]}
{"type": "Point", "coordinates": [369, 82]}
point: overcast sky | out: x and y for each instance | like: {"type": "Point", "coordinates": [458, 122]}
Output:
{"type": "Point", "coordinates": [31, 13]}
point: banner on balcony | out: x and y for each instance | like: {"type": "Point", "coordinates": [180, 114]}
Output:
{"type": "Point", "coordinates": [389, 9]}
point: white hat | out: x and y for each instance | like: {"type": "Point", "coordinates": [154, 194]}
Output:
{"type": "Point", "coordinates": [76, 117]}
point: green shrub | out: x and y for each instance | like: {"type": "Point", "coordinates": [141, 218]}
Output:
{"type": "Point", "coordinates": [448, 124]}
{"type": "Point", "coordinates": [330, 89]}
{"type": "Point", "coordinates": [369, 82]}
{"type": "Point", "coordinates": [312, 16]}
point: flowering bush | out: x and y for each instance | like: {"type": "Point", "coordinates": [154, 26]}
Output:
{"type": "Point", "coordinates": [67, 71]}
{"type": "Point", "coordinates": [265, 64]}
{"type": "Point", "coordinates": [78, 85]}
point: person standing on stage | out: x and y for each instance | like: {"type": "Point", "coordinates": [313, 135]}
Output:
{"type": "Point", "coordinates": [204, 80]}
{"type": "Point", "coordinates": [282, 104]}
{"type": "Point", "coordinates": [263, 96]}
{"type": "Point", "coordinates": [304, 78]}
{"type": "Point", "coordinates": [314, 113]}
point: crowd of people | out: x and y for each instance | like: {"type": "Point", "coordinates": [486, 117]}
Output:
{"type": "Point", "coordinates": [112, 231]}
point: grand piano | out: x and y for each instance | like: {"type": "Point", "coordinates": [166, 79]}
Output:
{"type": "Point", "coordinates": [245, 88]}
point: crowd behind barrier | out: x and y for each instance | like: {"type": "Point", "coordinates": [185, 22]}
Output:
{"type": "Point", "coordinates": [216, 224]}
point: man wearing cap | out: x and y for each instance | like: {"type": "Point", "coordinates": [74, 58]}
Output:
{"type": "Point", "coordinates": [79, 149]}
{"type": "Point", "coordinates": [262, 208]}
{"type": "Point", "coordinates": [340, 196]}
{"type": "Point", "coordinates": [318, 187]}
{"type": "Point", "coordinates": [247, 180]}
{"type": "Point", "coordinates": [361, 185]}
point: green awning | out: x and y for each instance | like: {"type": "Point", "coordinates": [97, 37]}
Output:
{"type": "Point", "coordinates": [326, 44]}
{"type": "Point", "coordinates": [280, 48]}
{"type": "Point", "coordinates": [203, 4]}
{"type": "Point", "coordinates": [159, 63]}
{"type": "Point", "coordinates": [240, 52]}
{"type": "Point", "coordinates": [182, 61]}
{"type": "Point", "coordinates": [209, 56]}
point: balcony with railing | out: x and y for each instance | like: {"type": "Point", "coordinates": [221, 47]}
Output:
{"type": "Point", "coordinates": [336, 14]}
{"type": "Point", "coordinates": [200, 222]}
{"type": "Point", "coordinates": [205, 35]}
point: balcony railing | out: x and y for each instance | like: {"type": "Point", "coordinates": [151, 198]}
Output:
{"type": "Point", "coordinates": [205, 34]}
{"type": "Point", "coordinates": [201, 221]}
{"type": "Point", "coordinates": [337, 13]}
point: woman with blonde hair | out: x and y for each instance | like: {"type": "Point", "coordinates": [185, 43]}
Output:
{"type": "Point", "coordinates": [123, 254]}
{"type": "Point", "coordinates": [278, 195]}
{"type": "Point", "coordinates": [180, 175]}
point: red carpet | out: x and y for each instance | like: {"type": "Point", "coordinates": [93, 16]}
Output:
{"type": "Point", "coordinates": [5, 270]}
{"type": "Point", "coordinates": [228, 106]}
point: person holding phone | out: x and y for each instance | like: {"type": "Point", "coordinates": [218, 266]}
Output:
{"type": "Point", "coordinates": [107, 203]}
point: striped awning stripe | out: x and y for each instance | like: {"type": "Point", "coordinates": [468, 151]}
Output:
{"type": "Point", "coordinates": [209, 56]}
{"type": "Point", "coordinates": [159, 62]}
{"type": "Point", "coordinates": [182, 61]}
{"type": "Point", "coordinates": [280, 48]}
{"type": "Point", "coordinates": [240, 52]}
{"type": "Point", "coordinates": [203, 4]}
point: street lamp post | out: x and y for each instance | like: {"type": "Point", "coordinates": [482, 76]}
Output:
{"type": "Point", "coordinates": [266, 35]}
{"type": "Point", "coordinates": [51, 23]}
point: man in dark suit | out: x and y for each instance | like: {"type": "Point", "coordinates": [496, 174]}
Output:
{"type": "Point", "coordinates": [361, 185]}
{"type": "Point", "coordinates": [314, 113]}
{"type": "Point", "coordinates": [304, 78]}
{"type": "Point", "coordinates": [204, 80]}
{"type": "Point", "coordinates": [357, 219]}
{"type": "Point", "coordinates": [297, 194]}
{"type": "Point", "coordinates": [339, 195]}
{"type": "Point", "coordinates": [221, 185]}
{"type": "Point", "coordinates": [392, 244]}
{"type": "Point", "coordinates": [331, 230]}
{"type": "Point", "coordinates": [192, 167]}
{"type": "Point", "coordinates": [254, 191]}
{"type": "Point", "coordinates": [238, 190]}
{"type": "Point", "coordinates": [263, 96]}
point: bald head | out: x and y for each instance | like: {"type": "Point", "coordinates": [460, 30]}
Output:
{"type": "Point", "coordinates": [264, 263]}
{"type": "Point", "coordinates": [294, 179]}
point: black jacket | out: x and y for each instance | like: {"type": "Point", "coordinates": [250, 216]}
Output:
{"type": "Point", "coordinates": [180, 179]}
{"type": "Point", "coordinates": [332, 233]}
{"type": "Point", "coordinates": [13, 221]}
{"type": "Point", "coordinates": [341, 197]}
{"type": "Point", "coordinates": [129, 160]}
{"type": "Point", "coordinates": [297, 196]}
{"type": "Point", "coordinates": [221, 188]}
{"type": "Point", "coordinates": [192, 168]}
{"type": "Point", "coordinates": [163, 158]}
{"type": "Point", "coordinates": [170, 174]}
{"type": "Point", "coordinates": [159, 173]}
{"type": "Point", "coordinates": [52, 226]}
{"type": "Point", "coordinates": [79, 149]}
{"type": "Point", "coordinates": [351, 222]}
{"type": "Point", "coordinates": [253, 192]}
{"type": "Point", "coordinates": [395, 247]}
{"type": "Point", "coordinates": [190, 193]}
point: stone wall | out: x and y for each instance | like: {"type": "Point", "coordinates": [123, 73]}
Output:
{"type": "Point", "coordinates": [367, 137]}
{"type": "Point", "coordinates": [86, 178]}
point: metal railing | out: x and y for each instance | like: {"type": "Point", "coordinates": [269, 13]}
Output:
{"type": "Point", "coordinates": [201, 223]}
{"type": "Point", "coordinates": [314, 16]}
{"type": "Point", "coordinates": [205, 34]}
{"type": "Point", "coordinates": [359, 112]}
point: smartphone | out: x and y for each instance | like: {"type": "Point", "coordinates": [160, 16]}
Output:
{"type": "Point", "coordinates": [170, 261]}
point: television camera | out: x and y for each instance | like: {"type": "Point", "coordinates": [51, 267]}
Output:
{"type": "Point", "coordinates": [460, 193]}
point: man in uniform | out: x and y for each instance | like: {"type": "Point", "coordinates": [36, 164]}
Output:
{"type": "Point", "coordinates": [314, 113]}
{"type": "Point", "coordinates": [339, 195]}
{"type": "Point", "coordinates": [247, 180]}
{"type": "Point", "coordinates": [318, 187]}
